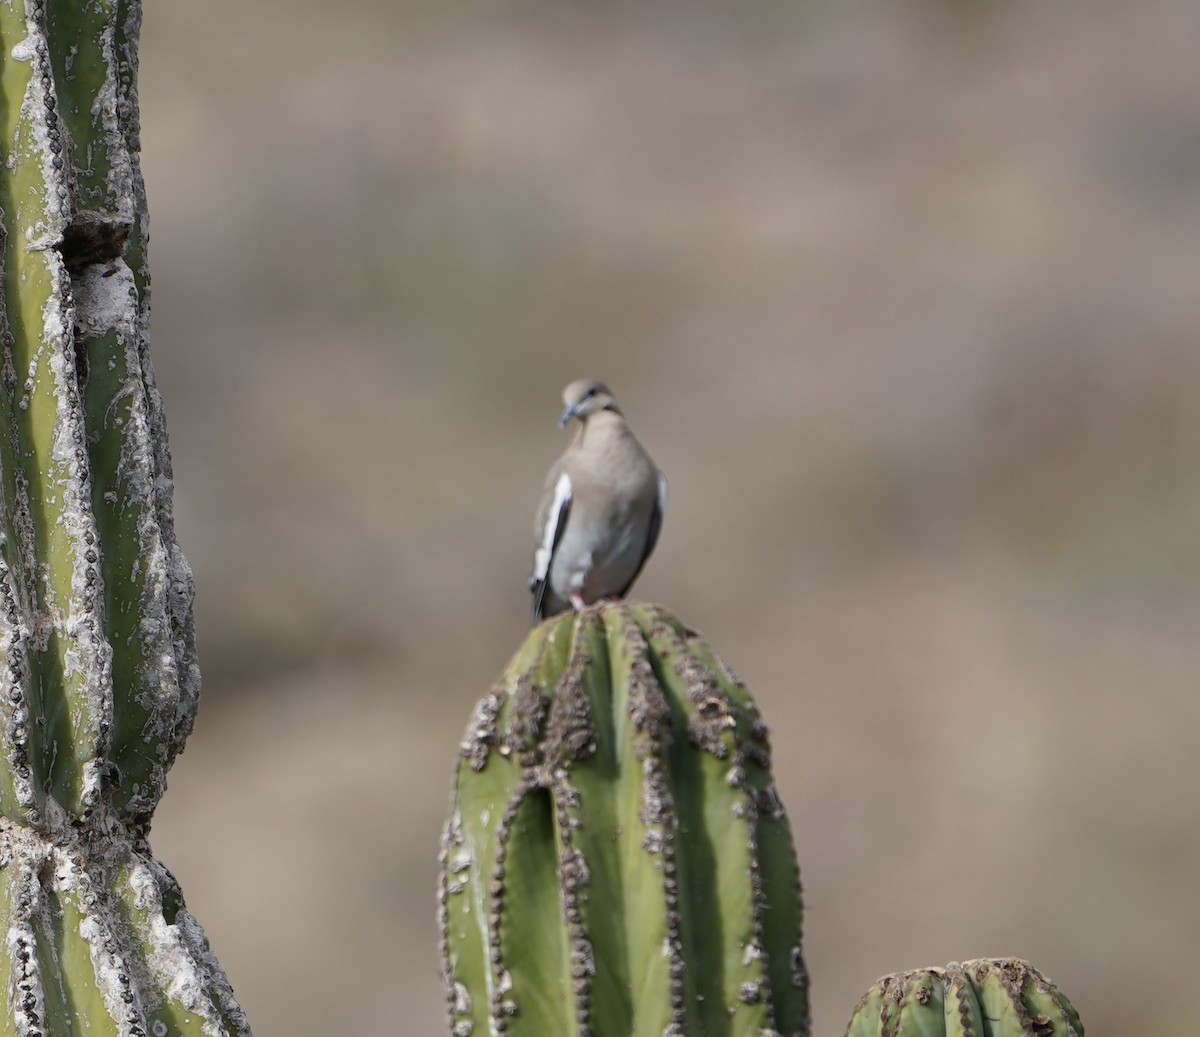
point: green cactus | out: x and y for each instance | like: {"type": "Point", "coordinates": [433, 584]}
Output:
{"type": "Point", "coordinates": [616, 860]}
{"type": "Point", "coordinates": [990, 997]}
{"type": "Point", "coordinates": [98, 680]}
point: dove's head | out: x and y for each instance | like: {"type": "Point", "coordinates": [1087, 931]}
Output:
{"type": "Point", "coordinates": [586, 397]}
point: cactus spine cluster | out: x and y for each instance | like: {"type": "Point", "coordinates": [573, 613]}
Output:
{"type": "Point", "coordinates": [98, 679]}
{"type": "Point", "coordinates": [990, 997]}
{"type": "Point", "coordinates": [616, 861]}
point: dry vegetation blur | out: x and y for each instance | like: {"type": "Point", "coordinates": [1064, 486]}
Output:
{"type": "Point", "coordinates": [903, 296]}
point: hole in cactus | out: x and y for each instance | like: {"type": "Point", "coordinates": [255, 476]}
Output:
{"type": "Point", "coordinates": [88, 241]}
{"type": "Point", "coordinates": [171, 903]}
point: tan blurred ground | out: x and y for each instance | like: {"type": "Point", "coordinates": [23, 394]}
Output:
{"type": "Point", "coordinates": [905, 298]}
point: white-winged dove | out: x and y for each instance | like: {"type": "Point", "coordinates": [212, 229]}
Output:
{"type": "Point", "coordinates": [602, 510]}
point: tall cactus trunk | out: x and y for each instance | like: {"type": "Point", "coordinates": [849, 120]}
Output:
{"type": "Point", "coordinates": [98, 678]}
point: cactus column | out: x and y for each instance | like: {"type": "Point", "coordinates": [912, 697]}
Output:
{"type": "Point", "coordinates": [617, 861]}
{"type": "Point", "coordinates": [98, 679]}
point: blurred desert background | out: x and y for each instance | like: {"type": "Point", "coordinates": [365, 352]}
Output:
{"type": "Point", "coordinates": [905, 299]}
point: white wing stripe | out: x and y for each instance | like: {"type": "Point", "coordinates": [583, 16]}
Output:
{"type": "Point", "coordinates": [554, 518]}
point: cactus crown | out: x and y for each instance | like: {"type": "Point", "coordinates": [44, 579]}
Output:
{"type": "Point", "coordinates": [617, 860]}
{"type": "Point", "coordinates": [989, 997]}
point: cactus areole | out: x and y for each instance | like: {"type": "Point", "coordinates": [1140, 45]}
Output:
{"type": "Point", "coordinates": [617, 861]}
{"type": "Point", "coordinates": [98, 677]}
